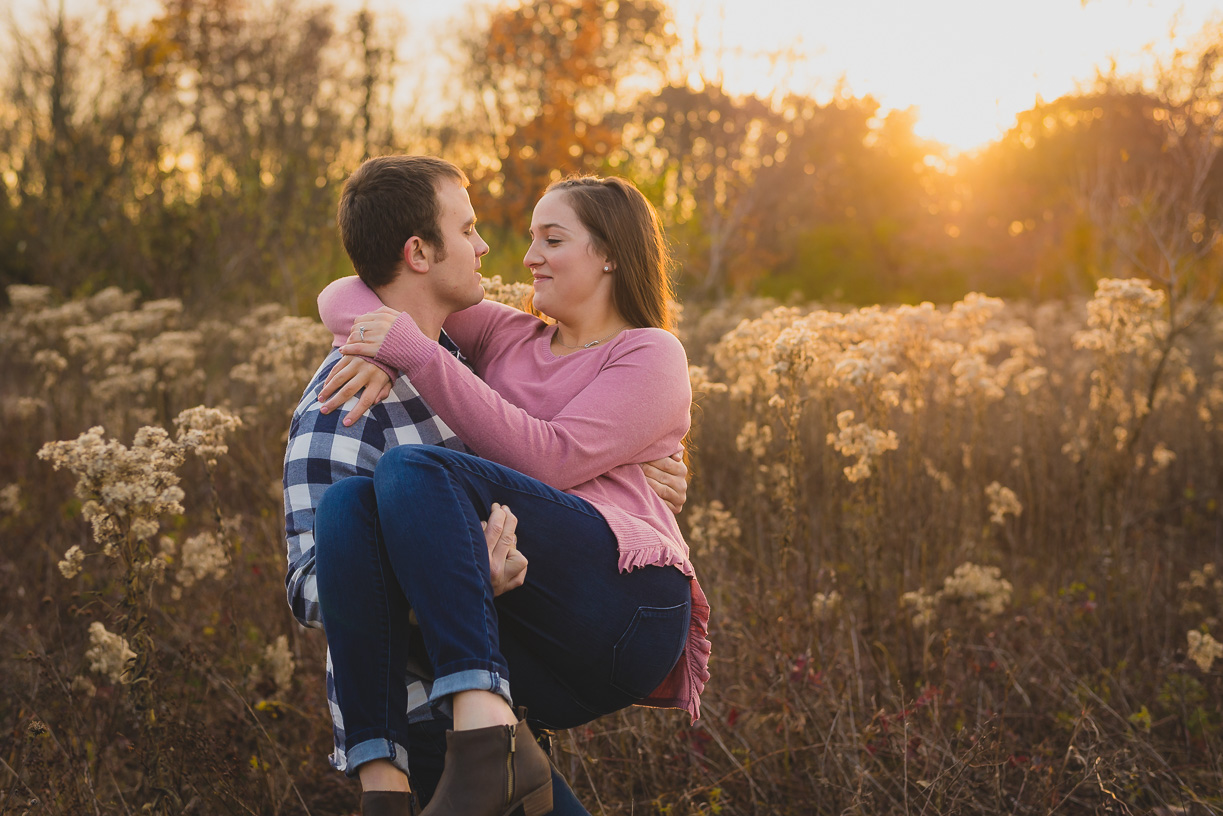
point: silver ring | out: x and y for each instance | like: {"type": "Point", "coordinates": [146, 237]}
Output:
{"type": "Point", "coordinates": [362, 329]}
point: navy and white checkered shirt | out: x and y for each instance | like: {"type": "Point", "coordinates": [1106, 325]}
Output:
{"type": "Point", "coordinates": [321, 451]}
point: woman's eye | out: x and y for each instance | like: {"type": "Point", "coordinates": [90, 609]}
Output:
{"type": "Point", "coordinates": [553, 241]}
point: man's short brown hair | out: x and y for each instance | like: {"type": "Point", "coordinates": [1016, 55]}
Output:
{"type": "Point", "coordinates": [386, 201]}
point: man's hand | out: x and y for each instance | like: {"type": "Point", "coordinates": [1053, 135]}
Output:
{"type": "Point", "coordinates": [347, 377]}
{"type": "Point", "coordinates": [506, 565]}
{"type": "Point", "coordinates": [669, 479]}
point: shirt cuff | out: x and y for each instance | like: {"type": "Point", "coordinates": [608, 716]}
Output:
{"type": "Point", "coordinates": [405, 347]}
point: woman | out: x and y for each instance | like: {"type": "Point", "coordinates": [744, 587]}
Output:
{"type": "Point", "coordinates": [609, 614]}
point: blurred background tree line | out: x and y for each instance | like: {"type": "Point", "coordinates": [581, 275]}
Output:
{"type": "Point", "coordinates": [199, 154]}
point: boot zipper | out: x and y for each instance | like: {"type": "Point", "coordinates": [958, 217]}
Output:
{"type": "Point", "coordinates": [509, 768]}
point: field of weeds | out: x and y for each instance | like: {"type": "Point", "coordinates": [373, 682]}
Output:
{"type": "Point", "coordinates": [961, 559]}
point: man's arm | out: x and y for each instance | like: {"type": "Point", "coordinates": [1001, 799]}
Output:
{"type": "Point", "coordinates": [320, 452]}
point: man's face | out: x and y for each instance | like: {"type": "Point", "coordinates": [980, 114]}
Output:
{"type": "Point", "coordinates": [455, 278]}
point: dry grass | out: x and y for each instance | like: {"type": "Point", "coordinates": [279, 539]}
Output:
{"type": "Point", "coordinates": [976, 593]}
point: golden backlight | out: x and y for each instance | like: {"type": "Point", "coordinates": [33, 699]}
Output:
{"type": "Point", "coordinates": [968, 66]}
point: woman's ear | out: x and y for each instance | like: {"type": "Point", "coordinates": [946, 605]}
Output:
{"type": "Point", "coordinates": [415, 256]}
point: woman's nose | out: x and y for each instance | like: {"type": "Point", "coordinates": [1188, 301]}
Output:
{"type": "Point", "coordinates": [531, 259]}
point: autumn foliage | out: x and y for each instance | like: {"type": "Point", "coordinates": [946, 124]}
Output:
{"type": "Point", "coordinates": [956, 493]}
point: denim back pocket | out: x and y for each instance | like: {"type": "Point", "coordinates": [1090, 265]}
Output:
{"type": "Point", "coordinates": [649, 648]}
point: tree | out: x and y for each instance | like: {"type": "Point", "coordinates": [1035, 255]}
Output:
{"type": "Point", "coordinates": [264, 125]}
{"type": "Point", "coordinates": [866, 207]}
{"type": "Point", "coordinates": [1029, 196]}
{"type": "Point", "coordinates": [786, 194]}
{"type": "Point", "coordinates": [76, 151]}
{"type": "Point", "coordinates": [546, 76]}
{"type": "Point", "coordinates": [1164, 211]}
{"type": "Point", "coordinates": [712, 154]}
{"type": "Point", "coordinates": [197, 154]}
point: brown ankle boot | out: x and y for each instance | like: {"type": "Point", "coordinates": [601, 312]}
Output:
{"type": "Point", "coordinates": [493, 772]}
{"type": "Point", "coordinates": [388, 803]}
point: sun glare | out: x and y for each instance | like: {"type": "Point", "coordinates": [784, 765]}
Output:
{"type": "Point", "coordinates": [967, 67]}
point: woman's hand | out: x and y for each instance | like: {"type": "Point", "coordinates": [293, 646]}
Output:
{"type": "Point", "coordinates": [669, 479]}
{"type": "Point", "coordinates": [368, 332]}
{"type": "Point", "coordinates": [347, 377]}
{"type": "Point", "coordinates": [506, 565]}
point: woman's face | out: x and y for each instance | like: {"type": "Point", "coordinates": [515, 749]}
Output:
{"type": "Point", "coordinates": [568, 272]}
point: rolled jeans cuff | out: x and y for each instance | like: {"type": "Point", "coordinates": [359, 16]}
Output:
{"type": "Point", "coordinates": [375, 748]}
{"type": "Point", "coordinates": [471, 680]}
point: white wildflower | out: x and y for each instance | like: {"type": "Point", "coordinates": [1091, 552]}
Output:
{"type": "Point", "coordinates": [203, 556]}
{"type": "Point", "coordinates": [825, 605]}
{"type": "Point", "coordinates": [26, 298]}
{"type": "Point", "coordinates": [702, 384]}
{"type": "Point", "coordinates": [70, 566]}
{"type": "Point", "coordinates": [1162, 456]}
{"type": "Point", "coordinates": [940, 478]}
{"type": "Point", "coordinates": [983, 587]}
{"type": "Point", "coordinates": [511, 294]}
{"type": "Point", "coordinates": [923, 606]}
{"type": "Point", "coordinates": [711, 527]}
{"type": "Point", "coordinates": [203, 430]}
{"type": "Point", "coordinates": [10, 499]}
{"type": "Point", "coordinates": [1204, 649]}
{"type": "Point", "coordinates": [1002, 502]}
{"type": "Point", "coordinates": [280, 663]}
{"type": "Point", "coordinates": [862, 441]}
{"type": "Point", "coordinates": [755, 438]}
{"type": "Point", "coordinates": [109, 654]}
{"type": "Point", "coordinates": [83, 686]}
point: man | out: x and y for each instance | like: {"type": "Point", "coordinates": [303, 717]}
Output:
{"type": "Point", "coordinates": [409, 229]}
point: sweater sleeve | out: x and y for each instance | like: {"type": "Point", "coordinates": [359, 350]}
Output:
{"type": "Point", "coordinates": [342, 302]}
{"type": "Point", "coordinates": [339, 305]}
{"type": "Point", "coordinates": [346, 299]}
{"type": "Point", "coordinates": [636, 409]}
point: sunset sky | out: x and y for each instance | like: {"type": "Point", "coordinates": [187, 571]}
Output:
{"type": "Point", "coordinates": [968, 65]}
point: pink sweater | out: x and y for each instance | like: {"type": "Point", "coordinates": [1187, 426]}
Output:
{"type": "Point", "coordinates": [579, 423]}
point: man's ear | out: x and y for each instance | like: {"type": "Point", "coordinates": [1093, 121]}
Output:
{"type": "Point", "coordinates": [415, 255]}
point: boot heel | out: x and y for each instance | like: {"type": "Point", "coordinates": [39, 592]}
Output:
{"type": "Point", "coordinates": [538, 802]}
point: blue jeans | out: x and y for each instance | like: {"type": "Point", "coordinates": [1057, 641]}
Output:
{"type": "Point", "coordinates": [579, 639]}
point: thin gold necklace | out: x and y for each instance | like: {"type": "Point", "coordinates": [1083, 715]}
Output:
{"type": "Point", "coordinates": [592, 343]}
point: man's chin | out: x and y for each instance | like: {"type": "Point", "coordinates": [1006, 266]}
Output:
{"type": "Point", "coordinates": [476, 298]}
